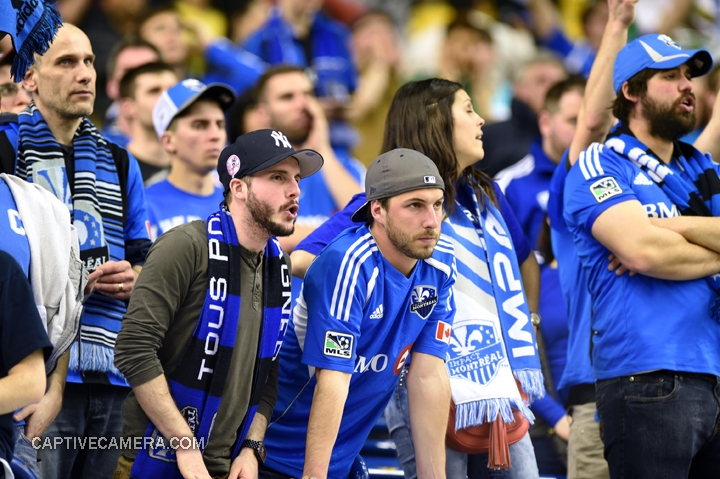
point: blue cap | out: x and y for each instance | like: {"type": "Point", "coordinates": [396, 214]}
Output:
{"type": "Point", "coordinates": [181, 95]}
{"type": "Point", "coordinates": [659, 52]}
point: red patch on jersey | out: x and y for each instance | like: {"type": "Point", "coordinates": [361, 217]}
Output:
{"type": "Point", "coordinates": [443, 332]}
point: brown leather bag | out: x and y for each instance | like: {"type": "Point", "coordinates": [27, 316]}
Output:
{"type": "Point", "coordinates": [476, 439]}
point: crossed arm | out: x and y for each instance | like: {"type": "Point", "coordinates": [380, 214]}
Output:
{"type": "Point", "coordinates": [679, 249]}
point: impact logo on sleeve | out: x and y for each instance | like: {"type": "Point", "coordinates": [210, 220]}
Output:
{"type": "Point", "coordinates": [423, 300]}
{"type": "Point", "coordinates": [338, 345]}
{"type": "Point", "coordinates": [605, 188]}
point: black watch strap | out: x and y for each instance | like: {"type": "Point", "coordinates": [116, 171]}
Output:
{"type": "Point", "coordinates": [257, 447]}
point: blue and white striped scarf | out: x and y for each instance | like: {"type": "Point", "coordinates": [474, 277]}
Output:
{"type": "Point", "coordinates": [96, 211]}
{"type": "Point", "coordinates": [198, 381]}
{"type": "Point", "coordinates": [492, 340]}
{"type": "Point", "coordinates": [694, 189]}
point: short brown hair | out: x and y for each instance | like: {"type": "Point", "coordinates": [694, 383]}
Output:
{"type": "Point", "coordinates": [269, 74]}
{"type": "Point", "coordinates": [558, 90]}
{"type": "Point", "coordinates": [637, 86]}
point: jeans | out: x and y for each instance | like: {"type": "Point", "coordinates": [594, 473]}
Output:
{"type": "Point", "coordinates": [24, 452]}
{"type": "Point", "coordinates": [458, 465]}
{"type": "Point", "coordinates": [660, 425]}
{"type": "Point", "coordinates": [88, 411]}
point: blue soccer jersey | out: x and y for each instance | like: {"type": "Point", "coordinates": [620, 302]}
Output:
{"type": "Point", "coordinates": [169, 206]}
{"type": "Point", "coordinates": [638, 323]}
{"type": "Point", "coordinates": [360, 315]}
{"type": "Point", "coordinates": [573, 284]}
{"type": "Point", "coordinates": [14, 239]}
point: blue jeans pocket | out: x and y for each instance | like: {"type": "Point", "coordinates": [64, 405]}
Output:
{"type": "Point", "coordinates": [650, 388]}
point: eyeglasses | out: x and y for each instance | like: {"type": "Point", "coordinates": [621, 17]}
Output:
{"type": "Point", "coordinates": [9, 89]}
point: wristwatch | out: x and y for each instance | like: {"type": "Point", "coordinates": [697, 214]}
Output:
{"type": "Point", "coordinates": [535, 319]}
{"type": "Point", "coordinates": [257, 447]}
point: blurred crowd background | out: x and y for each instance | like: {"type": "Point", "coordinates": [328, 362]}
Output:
{"type": "Point", "coordinates": [505, 52]}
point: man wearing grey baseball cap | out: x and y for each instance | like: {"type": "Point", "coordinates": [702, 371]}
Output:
{"type": "Point", "coordinates": [650, 202]}
{"type": "Point", "coordinates": [200, 341]}
{"type": "Point", "coordinates": [378, 293]}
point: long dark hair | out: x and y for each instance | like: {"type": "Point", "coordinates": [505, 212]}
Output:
{"type": "Point", "coordinates": [420, 118]}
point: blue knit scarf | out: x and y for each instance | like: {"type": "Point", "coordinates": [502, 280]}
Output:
{"type": "Point", "coordinates": [32, 25]}
{"type": "Point", "coordinates": [492, 339]}
{"type": "Point", "coordinates": [694, 186]}
{"type": "Point", "coordinates": [96, 211]}
{"type": "Point", "coordinates": [198, 381]}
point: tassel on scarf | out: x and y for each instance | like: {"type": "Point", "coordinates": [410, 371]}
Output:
{"type": "Point", "coordinates": [499, 454]}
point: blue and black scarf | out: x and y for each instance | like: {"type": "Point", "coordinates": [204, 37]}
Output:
{"type": "Point", "coordinates": [694, 188]}
{"type": "Point", "coordinates": [32, 25]}
{"type": "Point", "coordinates": [198, 381]}
{"type": "Point", "coordinates": [94, 198]}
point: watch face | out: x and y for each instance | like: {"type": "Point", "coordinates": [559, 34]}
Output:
{"type": "Point", "coordinates": [261, 452]}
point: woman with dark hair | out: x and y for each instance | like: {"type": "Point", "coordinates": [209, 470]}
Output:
{"type": "Point", "coordinates": [492, 359]}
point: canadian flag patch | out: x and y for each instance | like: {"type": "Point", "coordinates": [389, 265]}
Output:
{"type": "Point", "coordinates": [443, 332]}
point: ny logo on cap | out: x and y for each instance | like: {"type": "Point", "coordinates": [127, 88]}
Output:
{"type": "Point", "coordinates": [280, 138]}
{"type": "Point", "coordinates": [429, 179]}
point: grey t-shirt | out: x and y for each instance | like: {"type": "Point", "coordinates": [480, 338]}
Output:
{"type": "Point", "coordinates": [161, 317]}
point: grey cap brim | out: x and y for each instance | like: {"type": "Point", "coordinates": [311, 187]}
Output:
{"type": "Point", "coordinates": [361, 213]}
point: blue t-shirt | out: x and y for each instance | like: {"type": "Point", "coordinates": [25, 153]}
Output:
{"type": "Point", "coordinates": [366, 319]}
{"type": "Point", "coordinates": [526, 185]}
{"type": "Point", "coordinates": [639, 323]}
{"type": "Point", "coordinates": [573, 284]}
{"type": "Point", "coordinates": [554, 327]}
{"type": "Point", "coordinates": [169, 206]}
{"type": "Point", "coordinates": [329, 230]}
{"type": "Point", "coordinates": [578, 57]}
{"type": "Point", "coordinates": [14, 240]}
{"type": "Point", "coordinates": [230, 64]}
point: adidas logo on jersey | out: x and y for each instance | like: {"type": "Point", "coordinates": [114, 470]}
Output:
{"type": "Point", "coordinates": [641, 179]}
{"type": "Point", "coordinates": [378, 313]}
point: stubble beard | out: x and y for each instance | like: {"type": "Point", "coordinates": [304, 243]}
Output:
{"type": "Point", "coordinates": [262, 213]}
{"type": "Point", "coordinates": [403, 242]}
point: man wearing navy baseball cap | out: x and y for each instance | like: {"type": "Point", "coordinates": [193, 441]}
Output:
{"type": "Point", "coordinates": [189, 119]}
{"type": "Point", "coordinates": [200, 342]}
{"type": "Point", "coordinates": [649, 202]}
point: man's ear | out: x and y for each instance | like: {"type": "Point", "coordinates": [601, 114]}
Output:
{"type": "Point", "coordinates": [261, 114]}
{"type": "Point", "coordinates": [167, 140]}
{"type": "Point", "coordinates": [127, 107]}
{"type": "Point", "coordinates": [545, 123]}
{"type": "Point", "coordinates": [239, 189]}
{"type": "Point", "coordinates": [625, 89]}
{"type": "Point", "coordinates": [29, 81]}
{"type": "Point", "coordinates": [377, 212]}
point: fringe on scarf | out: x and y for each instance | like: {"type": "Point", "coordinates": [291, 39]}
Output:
{"type": "Point", "coordinates": [532, 382]}
{"type": "Point", "coordinates": [38, 41]}
{"type": "Point", "coordinates": [93, 357]}
{"type": "Point", "coordinates": [480, 412]}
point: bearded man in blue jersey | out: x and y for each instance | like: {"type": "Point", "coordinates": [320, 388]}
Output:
{"type": "Point", "coordinates": [377, 295]}
{"type": "Point", "coordinates": [651, 202]}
